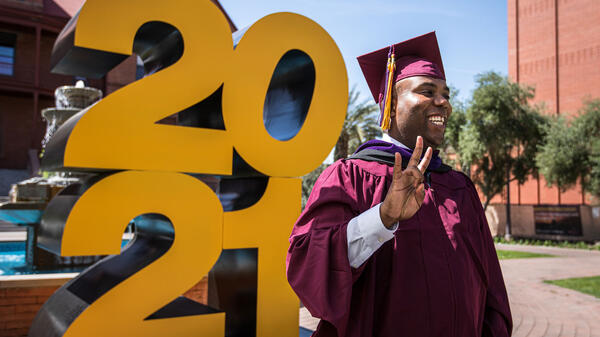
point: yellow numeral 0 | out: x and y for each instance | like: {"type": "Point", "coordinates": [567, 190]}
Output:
{"type": "Point", "coordinates": [245, 88]}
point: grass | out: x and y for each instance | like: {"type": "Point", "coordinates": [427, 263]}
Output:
{"type": "Point", "coordinates": [587, 285]}
{"type": "Point", "coordinates": [550, 243]}
{"type": "Point", "coordinates": [511, 254]}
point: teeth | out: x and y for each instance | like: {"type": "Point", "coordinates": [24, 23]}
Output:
{"type": "Point", "coordinates": [437, 120]}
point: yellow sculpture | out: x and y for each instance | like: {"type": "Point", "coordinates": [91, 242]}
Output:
{"type": "Point", "coordinates": [120, 133]}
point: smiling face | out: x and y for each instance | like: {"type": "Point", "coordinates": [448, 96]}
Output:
{"type": "Point", "coordinates": [421, 107]}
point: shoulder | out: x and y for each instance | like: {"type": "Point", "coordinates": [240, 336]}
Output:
{"type": "Point", "coordinates": [354, 168]}
{"type": "Point", "coordinates": [452, 179]}
{"type": "Point", "coordinates": [354, 179]}
{"type": "Point", "coordinates": [465, 179]}
{"type": "Point", "coordinates": [461, 179]}
{"type": "Point", "coordinates": [365, 167]}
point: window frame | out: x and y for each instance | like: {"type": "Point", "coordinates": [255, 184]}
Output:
{"type": "Point", "coordinates": [9, 40]}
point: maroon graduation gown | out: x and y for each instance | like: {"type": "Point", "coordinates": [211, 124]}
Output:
{"type": "Point", "coordinates": [438, 276]}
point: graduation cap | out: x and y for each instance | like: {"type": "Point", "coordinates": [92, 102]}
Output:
{"type": "Point", "coordinates": [419, 56]}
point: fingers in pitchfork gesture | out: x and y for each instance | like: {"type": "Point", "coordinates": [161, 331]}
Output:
{"type": "Point", "coordinates": [407, 190]}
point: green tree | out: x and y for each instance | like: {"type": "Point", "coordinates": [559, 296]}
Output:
{"type": "Point", "coordinates": [360, 125]}
{"type": "Point", "coordinates": [502, 133]}
{"type": "Point", "coordinates": [571, 151]}
{"type": "Point", "coordinates": [308, 181]}
{"type": "Point", "coordinates": [587, 125]}
{"type": "Point", "coordinates": [457, 120]}
{"type": "Point", "coordinates": [559, 153]}
{"type": "Point", "coordinates": [592, 182]}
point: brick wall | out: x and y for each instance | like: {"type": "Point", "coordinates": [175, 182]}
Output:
{"type": "Point", "coordinates": [49, 80]}
{"type": "Point", "coordinates": [554, 46]}
{"type": "Point", "coordinates": [30, 5]}
{"type": "Point", "coordinates": [22, 128]}
{"type": "Point", "coordinates": [199, 292]}
{"type": "Point", "coordinates": [18, 307]}
{"type": "Point", "coordinates": [523, 223]}
{"type": "Point", "coordinates": [121, 75]}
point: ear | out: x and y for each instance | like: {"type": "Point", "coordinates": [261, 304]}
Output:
{"type": "Point", "coordinates": [393, 103]}
{"type": "Point", "coordinates": [397, 89]}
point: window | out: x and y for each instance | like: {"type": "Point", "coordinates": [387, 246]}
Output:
{"type": "Point", "coordinates": [7, 53]}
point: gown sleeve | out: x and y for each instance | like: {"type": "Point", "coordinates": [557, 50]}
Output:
{"type": "Point", "coordinates": [318, 268]}
{"type": "Point", "coordinates": [497, 320]}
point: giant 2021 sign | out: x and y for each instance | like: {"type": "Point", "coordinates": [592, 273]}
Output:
{"type": "Point", "coordinates": [279, 93]}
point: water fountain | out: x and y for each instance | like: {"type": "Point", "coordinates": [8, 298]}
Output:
{"type": "Point", "coordinates": [28, 198]}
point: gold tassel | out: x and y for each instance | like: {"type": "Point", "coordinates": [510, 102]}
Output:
{"type": "Point", "coordinates": [386, 121]}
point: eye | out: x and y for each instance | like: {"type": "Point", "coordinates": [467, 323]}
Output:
{"type": "Point", "coordinates": [446, 96]}
{"type": "Point", "coordinates": [428, 93]}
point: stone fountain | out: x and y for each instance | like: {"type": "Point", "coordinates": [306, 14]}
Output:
{"type": "Point", "coordinates": [69, 101]}
{"type": "Point", "coordinates": [28, 198]}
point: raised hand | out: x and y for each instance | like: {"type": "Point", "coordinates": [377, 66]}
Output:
{"type": "Point", "coordinates": [407, 191]}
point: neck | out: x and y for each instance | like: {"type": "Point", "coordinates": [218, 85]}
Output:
{"type": "Point", "coordinates": [406, 143]}
{"type": "Point", "coordinates": [389, 139]}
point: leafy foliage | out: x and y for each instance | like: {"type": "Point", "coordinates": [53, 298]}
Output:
{"type": "Point", "coordinates": [457, 120]}
{"type": "Point", "coordinates": [559, 153]}
{"type": "Point", "coordinates": [587, 126]}
{"type": "Point", "coordinates": [308, 181]}
{"type": "Point", "coordinates": [593, 180]}
{"type": "Point", "coordinates": [572, 150]}
{"type": "Point", "coordinates": [360, 125]}
{"type": "Point", "coordinates": [502, 132]}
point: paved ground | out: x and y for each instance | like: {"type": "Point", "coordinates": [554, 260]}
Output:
{"type": "Point", "coordinates": [539, 309]}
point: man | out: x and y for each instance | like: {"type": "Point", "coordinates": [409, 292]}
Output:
{"type": "Point", "coordinates": [392, 244]}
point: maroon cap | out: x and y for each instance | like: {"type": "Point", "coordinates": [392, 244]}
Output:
{"type": "Point", "coordinates": [419, 56]}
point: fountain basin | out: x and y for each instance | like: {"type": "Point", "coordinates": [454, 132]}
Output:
{"type": "Point", "coordinates": [13, 261]}
{"type": "Point", "coordinates": [23, 213]}
{"type": "Point", "coordinates": [78, 96]}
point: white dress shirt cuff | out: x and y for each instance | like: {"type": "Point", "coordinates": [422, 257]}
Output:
{"type": "Point", "coordinates": [366, 233]}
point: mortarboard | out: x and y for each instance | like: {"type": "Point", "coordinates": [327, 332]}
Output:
{"type": "Point", "coordinates": [419, 56]}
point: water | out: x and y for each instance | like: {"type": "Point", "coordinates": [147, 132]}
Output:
{"type": "Point", "coordinates": [12, 254]}
{"type": "Point", "coordinates": [50, 129]}
{"type": "Point", "coordinates": [12, 261]}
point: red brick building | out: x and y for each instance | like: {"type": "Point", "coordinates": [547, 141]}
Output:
{"type": "Point", "coordinates": [554, 45]}
{"type": "Point", "coordinates": [28, 29]}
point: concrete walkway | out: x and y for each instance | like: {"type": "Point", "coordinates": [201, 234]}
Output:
{"type": "Point", "coordinates": [539, 309]}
